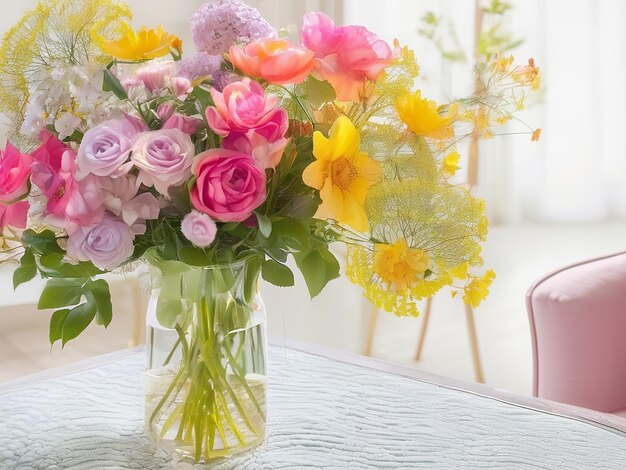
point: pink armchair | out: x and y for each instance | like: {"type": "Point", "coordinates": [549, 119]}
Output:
{"type": "Point", "coordinates": [578, 327]}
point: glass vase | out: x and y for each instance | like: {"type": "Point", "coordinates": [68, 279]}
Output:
{"type": "Point", "coordinates": [206, 361]}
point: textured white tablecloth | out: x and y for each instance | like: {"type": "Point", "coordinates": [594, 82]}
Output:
{"type": "Point", "coordinates": [322, 414]}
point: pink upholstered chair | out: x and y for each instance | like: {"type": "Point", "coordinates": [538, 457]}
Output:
{"type": "Point", "coordinates": [578, 326]}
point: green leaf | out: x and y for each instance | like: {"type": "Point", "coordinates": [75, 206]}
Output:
{"type": "Point", "coordinates": [292, 233]}
{"type": "Point", "coordinates": [276, 254]}
{"type": "Point", "coordinates": [251, 279]}
{"type": "Point", "coordinates": [111, 83]}
{"type": "Point", "coordinates": [194, 256]}
{"type": "Point", "coordinates": [77, 320]}
{"type": "Point", "coordinates": [318, 267]}
{"type": "Point", "coordinates": [318, 92]}
{"type": "Point", "coordinates": [168, 311]}
{"type": "Point", "coordinates": [302, 206]}
{"type": "Point", "coordinates": [56, 324]}
{"type": "Point", "coordinates": [99, 289]}
{"type": "Point", "coordinates": [61, 293]}
{"type": "Point", "coordinates": [265, 224]}
{"type": "Point", "coordinates": [41, 242]}
{"type": "Point", "coordinates": [27, 269]}
{"type": "Point", "coordinates": [277, 274]}
{"type": "Point", "coordinates": [53, 265]}
{"type": "Point", "coordinates": [203, 96]}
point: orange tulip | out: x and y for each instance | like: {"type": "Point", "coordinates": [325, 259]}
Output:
{"type": "Point", "coordinates": [274, 60]}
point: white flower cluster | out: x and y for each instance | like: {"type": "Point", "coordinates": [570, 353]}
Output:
{"type": "Point", "coordinates": [68, 97]}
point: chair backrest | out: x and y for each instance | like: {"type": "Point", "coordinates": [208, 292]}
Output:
{"type": "Point", "coordinates": [578, 326]}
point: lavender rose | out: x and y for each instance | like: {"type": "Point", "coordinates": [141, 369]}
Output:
{"type": "Point", "coordinates": [164, 158]}
{"type": "Point", "coordinates": [105, 148]}
{"type": "Point", "coordinates": [107, 244]}
{"type": "Point", "coordinates": [199, 229]}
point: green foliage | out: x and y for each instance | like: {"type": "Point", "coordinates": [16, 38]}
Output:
{"type": "Point", "coordinates": [318, 92]}
{"type": "Point", "coordinates": [319, 267]}
{"type": "Point", "coordinates": [277, 273]}
{"type": "Point", "coordinates": [61, 293]}
{"type": "Point", "coordinates": [111, 83]}
{"type": "Point", "coordinates": [27, 269]}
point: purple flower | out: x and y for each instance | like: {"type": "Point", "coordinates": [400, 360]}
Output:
{"type": "Point", "coordinates": [218, 25]}
{"type": "Point", "coordinates": [164, 158]}
{"type": "Point", "coordinates": [222, 78]}
{"type": "Point", "coordinates": [199, 229]}
{"type": "Point", "coordinates": [200, 65]}
{"type": "Point", "coordinates": [105, 148]}
{"type": "Point", "coordinates": [107, 244]}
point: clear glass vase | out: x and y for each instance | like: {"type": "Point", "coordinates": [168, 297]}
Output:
{"type": "Point", "coordinates": [206, 361]}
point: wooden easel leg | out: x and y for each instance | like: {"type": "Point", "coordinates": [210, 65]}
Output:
{"type": "Point", "coordinates": [371, 331]}
{"type": "Point", "coordinates": [422, 338]}
{"type": "Point", "coordinates": [471, 330]}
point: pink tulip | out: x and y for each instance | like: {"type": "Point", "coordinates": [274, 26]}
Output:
{"type": "Point", "coordinates": [274, 60]}
{"type": "Point", "coordinates": [347, 56]}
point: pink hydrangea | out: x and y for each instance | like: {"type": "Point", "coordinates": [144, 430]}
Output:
{"type": "Point", "coordinates": [199, 65]}
{"type": "Point", "coordinates": [217, 25]}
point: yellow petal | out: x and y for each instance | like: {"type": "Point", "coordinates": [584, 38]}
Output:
{"type": "Point", "coordinates": [315, 174]}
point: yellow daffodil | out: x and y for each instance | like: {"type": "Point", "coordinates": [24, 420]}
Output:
{"type": "Point", "coordinates": [141, 45]}
{"type": "Point", "coordinates": [451, 163]}
{"type": "Point", "coordinates": [342, 174]}
{"type": "Point", "coordinates": [399, 265]}
{"type": "Point", "coordinates": [423, 117]}
{"type": "Point", "coordinates": [478, 289]}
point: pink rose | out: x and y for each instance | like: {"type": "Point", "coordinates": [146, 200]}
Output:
{"type": "Point", "coordinates": [15, 169]}
{"type": "Point", "coordinates": [241, 106]}
{"type": "Point", "coordinates": [199, 229]}
{"type": "Point", "coordinates": [266, 144]}
{"type": "Point", "coordinates": [105, 148]}
{"type": "Point", "coordinates": [14, 215]}
{"type": "Point", "coordinates": [106, 244]}
{"type": "Point", "coordinates": [164, 158]}
{"type": "Point", "coordinates": [228, 186]}
{"type": "Point", "coordinates": [71, 203]}
{"type": "Point", "coordinates": [347, 55]}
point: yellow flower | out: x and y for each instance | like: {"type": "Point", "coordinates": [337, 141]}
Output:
{"type": "Point", "coordinates": [399, 265]}
{"type": "Point", "coordinates": [342, 174]}
{"type": "Point", "coordinates": [478, 289]}
{"type": "Point", "coordinates": [451, 163]}
{"type": "Point", "coordinates": [144, 44]}
{"type": "Point", "coordinates": [536, 134]}
{"type": "Point", "coordinates": [423, 117]}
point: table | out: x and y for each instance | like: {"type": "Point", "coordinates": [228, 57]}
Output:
{"type": "Point", "coordinates": [326, 409]}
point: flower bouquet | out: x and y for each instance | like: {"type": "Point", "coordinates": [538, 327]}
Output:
{"type": "Point", "coordinates": [215, 169]}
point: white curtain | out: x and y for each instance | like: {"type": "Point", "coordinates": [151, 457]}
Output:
{"type": "Point", "coordinates": [577, 172]}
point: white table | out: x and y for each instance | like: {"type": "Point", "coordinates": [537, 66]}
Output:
{"type": "Point", "coordinates": [327, 410]}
